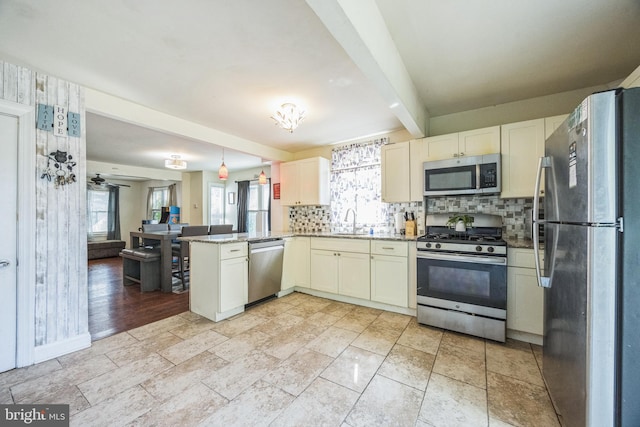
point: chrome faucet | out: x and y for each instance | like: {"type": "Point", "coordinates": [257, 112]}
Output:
{"type": "Point", "coordinates": [346, 216]}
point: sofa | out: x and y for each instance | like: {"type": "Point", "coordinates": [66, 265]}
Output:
{"type": "Point", "coordinates": [104, 248]}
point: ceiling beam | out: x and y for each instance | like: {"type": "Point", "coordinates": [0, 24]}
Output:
{"type": "Point", "coordinates": [359, 27]}
{"type": "Point", "coordinates": [120, 109]}
{"type": "Point", "coordinates": [126, 171]}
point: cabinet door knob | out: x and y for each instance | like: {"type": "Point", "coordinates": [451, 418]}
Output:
{"type": "Point", "coordinates": [455, 154]}
{"type": "Point", "coordinates": [461, 154]}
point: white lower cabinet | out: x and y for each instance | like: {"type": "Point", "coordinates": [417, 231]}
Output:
{"type": "Point", "coordinates": [219, 282]}
{"type": "Point", "coordinates": [324, 271]}
{"type": "Point", "coordinates": [234, 281]}
{"type": "Point", "coordinates": [340, 266]}
{"type": "Point", "coordinates": [389, 282]}
{"type": "Point", "coordinates": [389, 273]}
{"type": "Point", "coordinates": [295, 268]}
{"type": "Point", "coordinates": [353, 274]}
{"type": "Point", "coordinates": [525, 299]}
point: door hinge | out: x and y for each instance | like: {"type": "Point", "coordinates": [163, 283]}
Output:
{"type": "Point", "coordinates": [620, 224]}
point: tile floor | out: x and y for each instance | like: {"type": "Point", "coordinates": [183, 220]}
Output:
{"type": "Point", "coordinates": [295, 361]}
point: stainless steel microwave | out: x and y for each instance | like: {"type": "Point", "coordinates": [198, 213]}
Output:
{"type": "Point", "coordinates": [463, 175]}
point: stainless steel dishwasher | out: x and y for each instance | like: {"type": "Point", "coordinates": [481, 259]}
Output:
{"type": "Point", "coordinates": [265, 268]}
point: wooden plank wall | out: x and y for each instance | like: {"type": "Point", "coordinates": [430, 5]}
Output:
{"type": "Point", "coordinates": [61, 304]}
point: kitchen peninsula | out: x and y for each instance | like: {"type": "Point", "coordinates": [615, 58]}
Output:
{"type": "Point", "coordinates": [375, 270]}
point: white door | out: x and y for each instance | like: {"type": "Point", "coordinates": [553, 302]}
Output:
{"type": "Point", "coordinates": [8, 215]}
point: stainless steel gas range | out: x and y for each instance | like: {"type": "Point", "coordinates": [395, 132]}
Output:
{"type": "Point", "coordinates": [462, 276]}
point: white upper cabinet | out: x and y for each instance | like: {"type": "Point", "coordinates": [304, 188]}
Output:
{"type": "Point", "coordinates": [522, 146]}
{"type": "Point", "coordinates": [553, 123]}
{"type": "Point", "coordinates": [479, 141]}
{"type": "Point", "coordinates": [418, 154]}
{"type": "Point", "coordinates": [305, 182]}
{"type": "Point", "coordinates": [470, 143]}
{"type": "Point", "coordinates": [442, 147]}
{"type": "Point", "coordinates": [396, 181]}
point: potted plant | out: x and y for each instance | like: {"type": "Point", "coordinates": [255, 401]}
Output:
{"type": "Point", "coordinates": [460, 222]}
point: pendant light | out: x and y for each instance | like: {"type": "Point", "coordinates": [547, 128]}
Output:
{"type": "Point", "coordinates": [262, 178]}
{"type": "Point", "coordinates": [223, 172]}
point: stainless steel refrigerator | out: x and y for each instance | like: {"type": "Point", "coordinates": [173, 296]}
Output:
{"type": "Point", "coordinates": [591, 353]}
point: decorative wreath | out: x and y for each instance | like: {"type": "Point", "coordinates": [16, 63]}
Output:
{"type": "Point", "coordinates": [61, 173]}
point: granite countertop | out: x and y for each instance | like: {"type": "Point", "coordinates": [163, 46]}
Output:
{"type": "Point", "coordinates": [237, 237]}
{"type": "Point", "coordinates": [254, 237]}
{"type": "Point", "coordinates": [514, 242]}
{"type": "Point", "coordinates": [374, 236]}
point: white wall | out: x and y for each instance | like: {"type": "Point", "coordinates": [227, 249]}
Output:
{"type": "Point", "coordinates": [528, 109]}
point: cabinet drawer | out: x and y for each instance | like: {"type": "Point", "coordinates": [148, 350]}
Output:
{"type": "Point", "coordinates": [233, 250]}
{"type": "Point", "coordinates": [518, 257]}
{"type": "Point", "coordinates": [385, 247]}
{"type": "Point", "coordinates": [340, 245]}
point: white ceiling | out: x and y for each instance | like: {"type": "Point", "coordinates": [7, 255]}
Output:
{"type": "Point", "coordinates": [228, 64]}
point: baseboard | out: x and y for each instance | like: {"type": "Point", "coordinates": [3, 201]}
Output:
{"type": "Point", "coordinates": [357, 301]}
{"type": "Point", "coordinates": [60, 348]}
{"type": "Point", "coordinates": [524, 336]}
{"type": "Point", "coordinates": [285, 292]}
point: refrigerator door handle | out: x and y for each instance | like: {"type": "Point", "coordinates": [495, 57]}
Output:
{"type": "Point", "coordinates": [543, 282]}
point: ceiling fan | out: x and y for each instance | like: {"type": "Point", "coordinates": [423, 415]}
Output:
{"type": "Point", "coordinates": [99, 181]}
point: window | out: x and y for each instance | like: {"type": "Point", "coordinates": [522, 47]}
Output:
{"type": "Point", "coordinates": [258, 212]}
{"type": "Point", "coordinates": [97, 214]}
{"type": "Point", "coordinates": [159, 198]}
{"type": "Point", "coordinates": [356, 184]}
{"type": "Point", "coordinates": [216, 204]}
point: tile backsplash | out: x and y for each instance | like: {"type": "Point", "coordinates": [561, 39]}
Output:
{"type": "Point", "coordinates": [310, 219]}
{"type": "Point", "coordinates": [512, 211]}
{"type": "Point", "coordinates": [318, 218]}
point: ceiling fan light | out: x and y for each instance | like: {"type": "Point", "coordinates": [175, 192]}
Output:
{"type": "Point", "coordinates": [289, 116]}
{"type": "Point", "coordinates": [175, 163]}
{"type": "Point", "coordinates": [262, 178]}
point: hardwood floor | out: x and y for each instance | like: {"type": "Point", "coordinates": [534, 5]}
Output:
{"type": "Point", "coordinates": [115, 308]}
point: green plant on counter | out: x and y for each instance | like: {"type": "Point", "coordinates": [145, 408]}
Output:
{"type": "Point", "coordinates": [466, 219]}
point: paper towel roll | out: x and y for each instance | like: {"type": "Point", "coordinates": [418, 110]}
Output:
{"type": "Point", "coordinates": [398, 222]}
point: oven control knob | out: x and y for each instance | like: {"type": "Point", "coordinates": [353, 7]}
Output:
{"type": "Point", "coordinates": [479, 248]}
{"type": "Point", "coordinates": [490, 249]}
{"type": "Point", "coordinates": [428, 245]}
{"type": "Point", "coordinates": [438, 245]}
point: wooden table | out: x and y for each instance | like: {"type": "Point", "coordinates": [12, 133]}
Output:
{"type": "Point", "coordinates": [165, 238]}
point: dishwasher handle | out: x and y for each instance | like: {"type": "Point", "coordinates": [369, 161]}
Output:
{"type": "Point", "coordinates": [265, 244]}
{"type": "Point", "coordinates": [266, 249]}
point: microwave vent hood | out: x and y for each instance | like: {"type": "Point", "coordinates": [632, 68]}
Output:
{"type": "Point", "coordinates": [463, 175]}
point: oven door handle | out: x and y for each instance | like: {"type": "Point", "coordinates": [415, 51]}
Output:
{"type": "Point", "coordinates": [478, 259]}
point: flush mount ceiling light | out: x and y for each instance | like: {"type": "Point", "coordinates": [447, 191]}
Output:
{"type": "Point", "coordinates": [223, 172]}
{"type": "Point", "coordinates": [175, 163]}
{"type": "Point", "coordinates": [289, 116]}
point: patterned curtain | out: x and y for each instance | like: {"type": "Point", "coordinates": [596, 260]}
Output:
{"type": "Point", "coordinates": [356, 183]}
